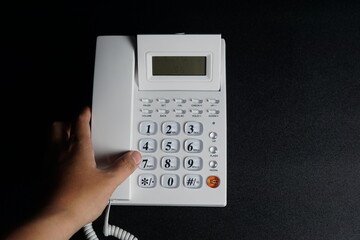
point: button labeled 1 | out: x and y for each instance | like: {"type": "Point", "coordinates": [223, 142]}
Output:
{"type": "Point", "coordinates": [147, 128]}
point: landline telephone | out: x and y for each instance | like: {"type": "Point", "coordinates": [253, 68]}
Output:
{"type": "Point", "coordinates": [165, 96]}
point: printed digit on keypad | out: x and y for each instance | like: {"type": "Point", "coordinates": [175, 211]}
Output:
{"type": "Point", "coordinates": [147, 145]}
{"type": "Point", "coordinates": [169, 163]}
{"type": "Point", "coordinates": [193, 145]}
{"type": "Point", "coordinates": [170, 128]}
{"type": "Point", "coordinates": [170, 180]}
{"type": "Point", "coordinates": [193, 163]}
{"type": "Point", "coordinates": [193, 128]}
{"type": "Point", "coordinates": [148, 163]}
{"type": "Point", "coordinates": [147, 128]}
{"type": "Point", "coordinates": [170, 145]}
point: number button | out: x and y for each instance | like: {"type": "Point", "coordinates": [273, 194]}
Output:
{"type": "Point", "coordinates": [147, 180]}
{"type": "Point", "coordinates": [147, 128]}
{"type": "Point", "coordinates": [148, 163]}
{"type": "Point", "coordinates": [192, 181]}
{"type": "Point", "coordinates": [170, 145]}
{"type": "Point", "coordinates": [170, 128]}
{"type": "Point", "coordinates": [170, 163]}
{"type": "Point", "coordinates": [147, 145]}
{"type": "Point", "coordinates": [170, 180]}
{"type": "Point", "coordinates": [193, 145]}
{"type": "Point", "coordinates": [193, 128]}
{"type": "Point", "coordinates": [193, 163]}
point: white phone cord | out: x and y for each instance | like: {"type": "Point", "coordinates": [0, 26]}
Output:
{"type": "Point", "coordinates": [109, 230]}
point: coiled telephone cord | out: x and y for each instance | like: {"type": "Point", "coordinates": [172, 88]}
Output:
{"type": "Point", "coordinates": [109, 230]}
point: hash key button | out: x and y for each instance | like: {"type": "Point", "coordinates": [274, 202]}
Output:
{"type": "Point", "coordinates": [193, 181]}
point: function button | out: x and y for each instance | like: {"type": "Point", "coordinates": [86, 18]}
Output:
{"type": "Point", "coordinates": [196, 100]}
{"type": "Point", "coordinates": [193, 181]}
{"type": "Point", "coordinates": [163, 100]}
{"type": "Point", "coordinates": [147, 128]}
{"type": "Point", "coordinates": [170, 145]}
{"type": "Point", "coordinates": [170, 180]}
{"type": "Point", "coordinates": [179, 111]}
{"type": "Point", "coordinates": [193, 128]}
{"type": "Point", "coordinates": [147, 145]}
{"type": "Point", "coordinates": [213, 164]}
{"type": "Point", "coordinates": [180, 100]}
{"type": "Point", "coordinates": [213, 100]}
{"type": "Point", "coordinates": [170, 128]}
{"type": "Point", "coordinates": [146, 100]}
{"type": "Point", "coordinates": [213, 135]}
{"type": "Point", "coordinates": [193, 163]}
{"type": "Point", "coordinates": [193, 145]}
{"type": "Point", "coordinates": [213, 149]}
{"type": "Point", "coordinates": [196, 111]}
{"type": "Point", "coordinates": [148, 163]}
{"type": "Point", "coordinates": [146, 111]}
{"type": "Point", "coordinates": [169, 163]}
{"type": "Point", "coordinates": [147, 180]}
{"type": "Point", "coordinates": [213, 111]}
{"type": "Point", "coordinates": [163, 111]}
{"type": "Point", "coordinates": [213, 181]}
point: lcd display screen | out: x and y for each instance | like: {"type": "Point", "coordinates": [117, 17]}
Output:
{"type": "Point", "coordinates": [179, 65]}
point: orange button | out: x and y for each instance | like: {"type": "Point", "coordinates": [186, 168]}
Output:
{"type": "Point", "coordinates": [213, 181]}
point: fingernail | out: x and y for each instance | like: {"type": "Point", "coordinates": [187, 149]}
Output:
{"type": "Point", "coordinates": [136, 156]}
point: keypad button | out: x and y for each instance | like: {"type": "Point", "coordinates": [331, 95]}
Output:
{"type": "Point", "coordinates": [169, 163]}
{"type": "Point", "coordinates": [163, 100]}
{"type": "Point", "coordinates": [193, 128]}
{"type": "Point", "coordinates": [179, 111]}
{"type": "Point", "coordinates": [147, 145]}
{"type": "Point", "coordinates": [170, 128]}
{"type": "Point", "coordinates": [193, 163]}
{"type": "Point", "coordinates": [170, 145]}
{"type": "Point", "coordinates": [213, 164]}
{"type": "Point", "coordinates": [146, 100]}
{"type": "Point", "coordinates": [196, 100]}
{"type": "Point", "coordinates": [213, 101]}
{"type": "Point", "coordinates": [146, 111]}
{"type": "Point", "coordinates": [163, 111]}
{"type": "Point", "coordinates": [193, 181]}
{"type": "Point", "coordinates": [170, 180]}
{"type": "Point", "coordinates": [213, 149]}
{"type": "Point", "coordinates": [213, 111]}
{"type": "Point", "coordinates": [213, 181]}
{"type": "Point", "coordinates": [147, 180]}
{"type": "Point", "coordinates": [213, 135]}
{"type": "Point", "coordinates": [180, 100]}
{"type": "Point", "coordinates": [148, 163]}
{"type": "Point", "coordinates": [147, 128]}
{"type": "Point", "coordinates": [193, 145]}
{"type": "Point", "coordinates": [196, 111]}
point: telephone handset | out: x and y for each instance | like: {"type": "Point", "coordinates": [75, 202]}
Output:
{"type": "Point", "coordinates": [165, 96]}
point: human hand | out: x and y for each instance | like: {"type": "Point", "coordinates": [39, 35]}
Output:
{"type": "Point", "coordinates": [84, 190]}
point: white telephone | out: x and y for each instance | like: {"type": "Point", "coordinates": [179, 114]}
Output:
{"type": "Point", "coordinates": [165, 96]}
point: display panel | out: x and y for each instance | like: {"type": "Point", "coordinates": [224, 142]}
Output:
{"type": "Point", "coordinates": [178, 65]}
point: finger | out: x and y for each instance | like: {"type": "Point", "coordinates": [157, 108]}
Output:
{"type": "Point", "coordinates": [81, 130]}
{"type": "Point", "coordinates": [126, 165]}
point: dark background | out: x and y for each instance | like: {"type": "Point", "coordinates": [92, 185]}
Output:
{"type": "Point", "coordinates": [293, 84]}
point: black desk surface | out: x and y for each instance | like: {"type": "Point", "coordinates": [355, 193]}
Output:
{"type": "Point", "coordinates": [293, 78]}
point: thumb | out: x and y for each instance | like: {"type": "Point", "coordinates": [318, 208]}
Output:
{"type": "Point", "coordinates": [126, 165]}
